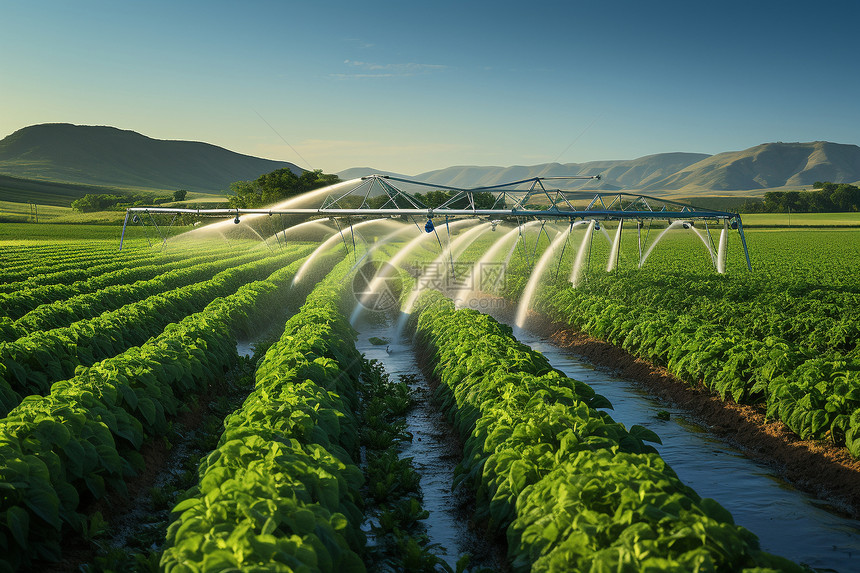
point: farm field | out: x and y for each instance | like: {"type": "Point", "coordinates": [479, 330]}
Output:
{"type": "Point", "coordinates": [802, 220]}
{"type": "Point", "coordinates": [122, 387]}
{"type": "Point", "coordinates": [783, 336]}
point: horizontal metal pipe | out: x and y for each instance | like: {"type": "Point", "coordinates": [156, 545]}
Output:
{"type": "Point", "coordinates": [430, 213]}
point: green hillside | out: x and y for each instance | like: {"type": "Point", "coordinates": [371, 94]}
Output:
{"type": "Point", "coordinates": [20, 190]}
{"type": "Point", "coordinates": [107, 156]}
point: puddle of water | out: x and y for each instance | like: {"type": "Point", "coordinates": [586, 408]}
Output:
{"type": "Point", "coordinates": [787, 522]}
{"type": "Point", "coordinates": [434, 451]}
{"type": "Point", "coordinates": [245, 348]}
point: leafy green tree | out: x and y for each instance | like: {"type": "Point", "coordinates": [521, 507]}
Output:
{"type": "Point", "coordinates": [483, 199]}
{"type": "Point", "coordinates": [433, 198]}
{"type": "Point", "coordinates": [276, 186]}
{"type": "Point", "coordinates": [846, 198]}
{"type": "Point", "coordinates": [92, 202]}
{"type": "Point", "coordinates": [179, 195]}
{"type": "Point", "coordinates": [826, 198]}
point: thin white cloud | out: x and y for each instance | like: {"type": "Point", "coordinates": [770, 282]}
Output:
{"type": "Point", "coordinates": [374, 70]}
{"type": "Point", "coordinates": [362, 44]}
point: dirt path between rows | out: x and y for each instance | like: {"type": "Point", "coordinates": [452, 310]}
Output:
{"type": "Point", "coordinates": [816, 467]}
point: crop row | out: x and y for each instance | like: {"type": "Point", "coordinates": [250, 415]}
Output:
{"type": "Point", "coordinates": [818, 319]}
{"type": "Point", "coordinates": [18, 263]}
{"type": "Point", "coordinates": [281, 492]}
{"type": "Point", "coordinates": [24, 299]}
{"type": "Point", "coordinates": [571, 488]}
{"type": "Point", "coordinates": [39, 264]}
{"type": "Point", "coordinates": [58, 452]}
{"type": "Point", "coordinates": [79, 307]}
{"type": "Point", "coordinates": [46, 273]}
{"type": "Point", "coordinates": [816, 394]}
{"type": "Point", "coordinates": [30, 364]}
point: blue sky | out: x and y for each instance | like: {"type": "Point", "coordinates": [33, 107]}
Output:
{"type": "Point", "coordinates": [410, 87]}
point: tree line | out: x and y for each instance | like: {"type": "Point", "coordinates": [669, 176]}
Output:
{"type": "Point", "coordinates": [92, 202]}
{"type": "Point", "coordinates": [826, 197]}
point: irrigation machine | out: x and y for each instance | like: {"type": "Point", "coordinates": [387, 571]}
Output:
{"type": "Point", "coordinates": [534, 199]}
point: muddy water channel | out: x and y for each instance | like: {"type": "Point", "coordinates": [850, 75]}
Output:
{"type": "Point", "coordinates": [787, 522]}
{"type": "Point", "coordinates": [435, 453]}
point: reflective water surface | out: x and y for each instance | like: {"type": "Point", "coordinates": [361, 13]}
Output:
{"type": "Point", "coordinates": [787, 522]}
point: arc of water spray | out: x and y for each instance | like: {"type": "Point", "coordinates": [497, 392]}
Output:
{"type": "Point", "coordinates": [454, 250]}
{"type": "Point", "coordinates": [721, 253]}
{"type": "Point", "coordinates": [616, 247]}
{"type": "Point", "coordinates": [605, 234]}
{"type": "Point", "coordinates": [573, 225]}
{"type": "Point", "coordinates": [394, 263]}
{"type": "Point", "coordinates": [537, 273]}
{"type": "Point", "coordinates": [337, 236]}
{"type": "Point", "coordinates": [382, 242]}
{"type": "Point", "coordinates": [675, 225]}
{"type": "Point", "coordinates": [294, 228]}
{"type": "Point", "coordinates": [488, 256]}
{"type": "Point", "coordinates": [519, 230]}
{"type": "Point", "coordinates": [292, 202]}
{"type": "Point", "coordinates": [584, 247]}
{"type": "Point", "coordinates": [707, 244]}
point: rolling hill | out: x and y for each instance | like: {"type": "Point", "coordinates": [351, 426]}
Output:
{"type": "Point", "coordinates": [111, 157]}
{"type": "Point", "coordinates": [56, 163]}
{"type": "Point", "coordinates": [766, 166]}
{"type": "Point", "coordinates": [748, 172]}
{"type": "Point", "coordinates": [620, 174]}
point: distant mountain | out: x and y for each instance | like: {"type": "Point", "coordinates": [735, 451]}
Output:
{"type": "Point", "coordinates": [618, 174]}
{"type": "Point", "coordinates": [766, 166]}
{"type": "Point", "coordinates": [75, 159]}
{"type": "Point", "coordinates": [356, 172]}
{"type": "Point", "coordinates": [108, 156]}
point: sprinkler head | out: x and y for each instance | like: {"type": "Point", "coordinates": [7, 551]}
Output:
{"type": "Point", "coordinates": [597, 226]}
{"type": "Point", "coordinates": [428, 226]}
{"type": "Point", "coordinates": [236, 220]}
{"type": "Point", "coordinates": [685, 225]}
{"type": "Point", "coordinates": [135, 219]}
{"type": "Point", "coordinates": [734, 224]}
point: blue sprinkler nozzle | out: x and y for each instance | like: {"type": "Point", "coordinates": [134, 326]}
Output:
{"type": "Point", "coordinates": [428, 226]}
